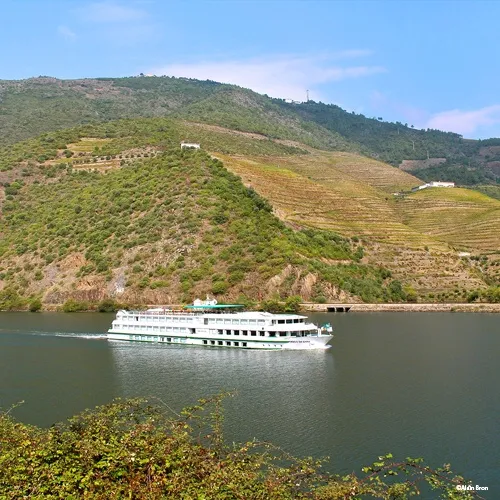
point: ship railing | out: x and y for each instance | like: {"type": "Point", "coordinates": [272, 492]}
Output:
{"type": "Point", "coordinates": [171, 312]}
{"type": "Point", "coordinates": [160, 313]}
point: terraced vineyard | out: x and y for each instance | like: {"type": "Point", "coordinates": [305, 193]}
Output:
{"type": "Point", "coordinates": [374, 173]}
{"type": "Point", "coordinates": [462, 217]}
{"type": "Point", "coordinates": [322, 190]}
{"type": "Point", "coordinates": [352, 195]}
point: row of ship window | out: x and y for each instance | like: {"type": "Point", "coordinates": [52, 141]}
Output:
{"type": "Point", "coordinates": [155, 338]}
{"type": "Point", "coordinates": [227, 343]}
{"type": "Point", "coordinates": [163, 329]}
{"type": "Point", "coordinates": [253, 333]}
{"type": "Point", "coordinates": [176, 329]}
{"type": "Point", "coordinates": [213, 321]}
{"type": "Point", "coordinates": [205, 342]}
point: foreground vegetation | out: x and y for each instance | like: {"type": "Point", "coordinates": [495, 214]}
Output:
{"type": "Point", "coordinates": [139, 449]}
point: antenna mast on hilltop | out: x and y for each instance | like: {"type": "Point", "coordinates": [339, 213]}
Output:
{"type": "Point", "coordinates": [307, 95]}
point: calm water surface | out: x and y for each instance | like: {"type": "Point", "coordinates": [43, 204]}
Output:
{"type": "Point", "coordinates": [421, 384]}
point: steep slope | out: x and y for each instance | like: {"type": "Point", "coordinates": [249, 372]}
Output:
{"type": "Point", "coordinates": [117, 209]}
{"type": "Point", "coordinates": [311, 191]}
{"type": "Point", "coordinates": [462, 217]}
{"type": "Point", "coordinates": [167, 226]}
{"type": "Point", "coordinates": [333, 191]}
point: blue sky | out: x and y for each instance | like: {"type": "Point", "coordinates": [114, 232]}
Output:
{"type": "Point", "coordinates": [431, 64]}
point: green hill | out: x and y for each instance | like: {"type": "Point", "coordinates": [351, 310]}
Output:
{"type": "Point", "coordinates": [161, 225]}
{"type": "Point", "coordinates": [37, 105]}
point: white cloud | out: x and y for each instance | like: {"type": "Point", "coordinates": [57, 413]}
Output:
{"type": "Point", "coordinates": [111, 12]}
{"type": "Point", "coordinates": [278, 76]}
{"type": "Point", "coordinates": [465, 122]}
{"type": "Point", "coordinates": [66, 33]}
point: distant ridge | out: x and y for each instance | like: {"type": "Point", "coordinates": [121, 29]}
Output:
{"type": "Point", "coordinates": [44, 104]}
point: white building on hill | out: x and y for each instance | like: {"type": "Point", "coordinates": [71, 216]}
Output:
{"type": "Point", "coordinates": [439, 184]}
{"type": "Point", "coordinates": [192, 145]}
{"type": "Point", "coordinates": [435, 184]}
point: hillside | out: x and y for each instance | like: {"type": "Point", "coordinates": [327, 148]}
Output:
{"type": "Point", "coordinates": [461, 217]}
{"type": "Point", "coordinates": [136, 219]}
{"type": "Point", "coordinates": [160, 225]}
{"type": "Point", "coordinates": [351, 195]}
{"type": "Point", "coordinates": [30, 107]}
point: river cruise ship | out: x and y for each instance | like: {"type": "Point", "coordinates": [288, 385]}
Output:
{"type": "Point", "coordinates": [206, 323]}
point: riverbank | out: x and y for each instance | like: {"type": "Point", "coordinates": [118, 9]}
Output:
{"type": "Point", "coordinates": [427, 307]}
{"type": "Point", "coordinates": [329, 307]}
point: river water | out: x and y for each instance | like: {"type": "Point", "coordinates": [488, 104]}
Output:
{"type": "Point", "coordinates": [413, 384]}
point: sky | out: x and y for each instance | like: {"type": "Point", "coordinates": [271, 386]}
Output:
{"type": "Point", "coordinates": [427, 63]}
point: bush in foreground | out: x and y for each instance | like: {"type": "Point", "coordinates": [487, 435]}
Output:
{"type": "Point", "coordinates": [133, 449]}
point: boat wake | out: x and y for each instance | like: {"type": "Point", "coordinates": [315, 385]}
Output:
{"type": "Point", "coordinates": [72, 335]}
{"type": "Point", "coordinates": [78, 335]}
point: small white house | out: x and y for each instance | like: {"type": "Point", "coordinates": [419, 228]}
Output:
{"type": "Point", "coordinates": [436, 184]}
{"type": "Point", "coordinates": [191, 145]}
{"type": "Point", "coordinates": [439, 184]}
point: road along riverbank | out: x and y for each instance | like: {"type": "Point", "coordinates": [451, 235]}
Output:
{"type": "Point", "coordinates": [423, 307]}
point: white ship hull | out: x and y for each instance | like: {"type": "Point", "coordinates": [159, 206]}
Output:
{"type": "Point", "coordinates": [302, 343]}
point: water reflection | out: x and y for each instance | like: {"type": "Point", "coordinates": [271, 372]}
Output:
{"type": "Point", "coordinates": [277, 391]}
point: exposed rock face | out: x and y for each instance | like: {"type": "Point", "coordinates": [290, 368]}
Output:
{"type": "Point", "coordinates": [291, 281]}
{"type": "Point", "coordinates": [307, 285]}
{"type": "Point", "coordinates": [275, 282]}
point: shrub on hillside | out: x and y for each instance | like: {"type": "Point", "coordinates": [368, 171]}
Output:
{"type": "Point", "coordinates": [492, 294]}
{"type": "Point", "coordinates": [10, 300]}
{"type": "Point", "coordinates": [219, 287]}
{"type": "Point", "coordinates": [272, 306]}
{"type": "Point", "coordinates": [108, 305]}
{"type": "Point", "coordinates": [35, 305]}
{"type": "Point", "coordinates": [72, 305]}
{"type": "Point", "coordinates": [292, 304]}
